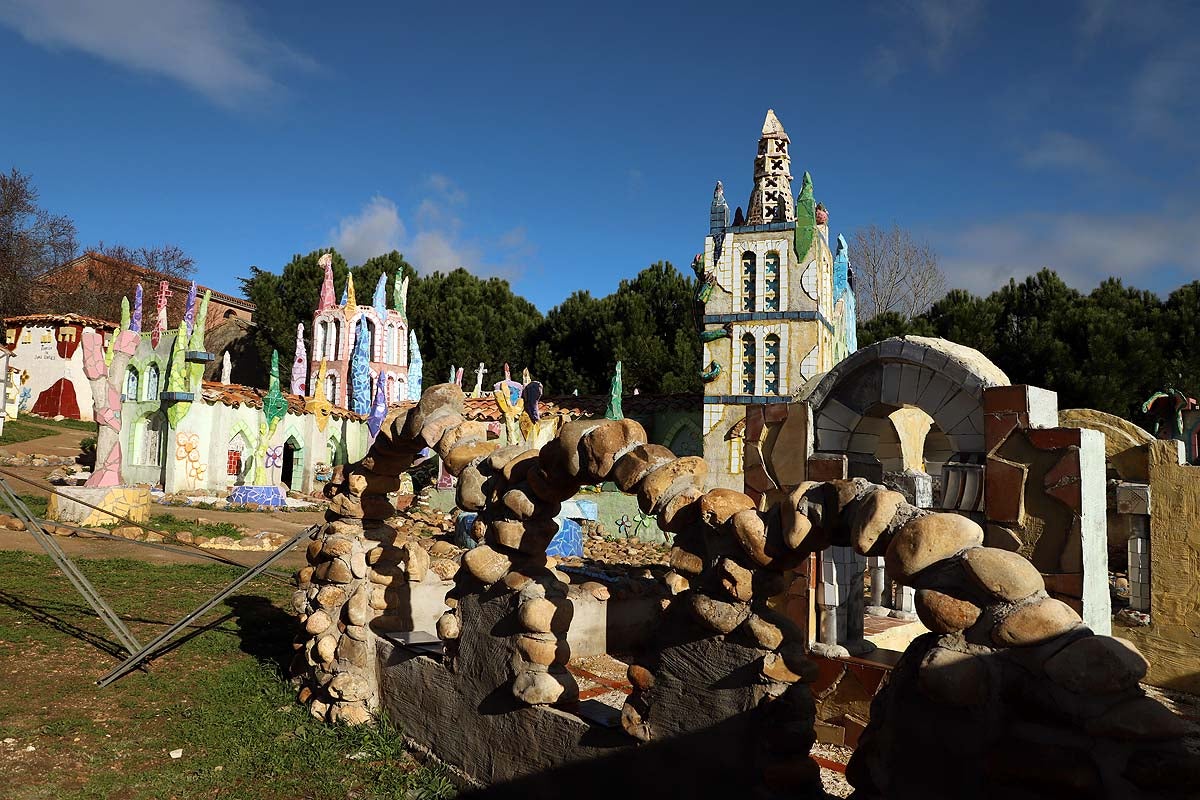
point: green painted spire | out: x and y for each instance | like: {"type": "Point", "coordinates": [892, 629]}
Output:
{"type": "Point", "coordinates": [614, 410]}
{"type": "Point", "coordinates": [806, 218]}
{"type": "Point", "coordinates": [177, 377]}
{"type": "Point", "coordinates": [124, 313]}
{"type": "Point", "coordinates": [274, 404]}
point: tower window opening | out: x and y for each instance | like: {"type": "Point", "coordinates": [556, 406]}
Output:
{"type": "Point", "coordinates": [749, 280]}
{"type": "Point", "coordinates": [749, 363]}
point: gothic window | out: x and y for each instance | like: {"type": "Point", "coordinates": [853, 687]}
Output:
{"type": "Point", "coordinates": [771, 364]}
{"type": "Point", "coordinates": [131, 384]}
{"type": "Point", "coordinates": [749, 363]}
{"type": "Point", "coordinates": [373, 337]}
{"type": "Point", "coordinates": [151, 386]}
{"type": "Point", "coordinates": [771, 282]}
{"type": "Point", "coordinates": [333, 343]}
{"type": "Point", "coordinates": [331, 387]}
{"type": "Point", "coordinates": [152, 444]}
{"type": "Point", "coordinates": [320, 335]}
{"type": "Point", "coordinates": [749, 280]}
{"type": "Point", "coordinates": [389, 343]}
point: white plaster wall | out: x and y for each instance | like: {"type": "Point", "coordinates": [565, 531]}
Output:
{"type": "Point", "coordinates": [45, 367]}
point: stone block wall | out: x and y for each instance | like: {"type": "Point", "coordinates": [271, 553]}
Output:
{"type": "Point", "coordinates": [1045, 489]}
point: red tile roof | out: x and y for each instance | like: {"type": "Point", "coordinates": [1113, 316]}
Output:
{"type": "Point", "coordinates": [175, 283]}
{"type": "Point", "coordinates": [60, 319]}
{"type": "Point", "coordinates": [235, 395]}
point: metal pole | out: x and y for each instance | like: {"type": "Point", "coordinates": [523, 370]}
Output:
{"type": "Point", "coordinates": [199, 551]}
{"type": "Point", "coordinates": [149, 650]}
{"type": "Point", "coordinates": [64, 563]}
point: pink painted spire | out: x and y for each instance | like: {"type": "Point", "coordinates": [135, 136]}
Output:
{"type": "Point", "coordinates": [328, 300]}
{"type": "Point", "coordinates": [300, 364]}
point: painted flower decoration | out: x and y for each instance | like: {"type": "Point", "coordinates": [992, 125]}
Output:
{"type": "Point", "coordinates": [643, 521]}
{"type": "Point", "coordinates": [624, 524]}
{"type": "Point", "coordinates": [275, 456]}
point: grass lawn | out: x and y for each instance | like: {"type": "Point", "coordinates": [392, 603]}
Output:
{"type": "Point", "coordinates": [23, 429]}
{"type": "Point", "coordinates": [220, 697]}
{"type": "Point", "coordinates": [169, 524]}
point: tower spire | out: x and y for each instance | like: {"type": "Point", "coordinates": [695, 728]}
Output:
{"type": "Point", "coordinates": [771, 200]}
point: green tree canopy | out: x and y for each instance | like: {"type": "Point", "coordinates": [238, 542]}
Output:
{"type": "Point", "coordinates": [1107, 350]}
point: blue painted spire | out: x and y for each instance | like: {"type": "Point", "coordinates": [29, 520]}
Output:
{"type": "Point", "coordinates": [360, 370]}
{"type": "Point", "coordinates": [380, 301]}
{"type": "Point", "coordinates": [415, 365]}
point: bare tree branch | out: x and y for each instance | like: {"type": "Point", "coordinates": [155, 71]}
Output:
{"type": "Point", "coordinates": [32, 240]}
{"type": "Point", "coordinates": [894, 272]}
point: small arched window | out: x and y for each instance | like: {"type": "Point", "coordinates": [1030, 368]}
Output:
{"type": "Point", "coordinates": [389, 344]}
{"type": "Point", "coordinates": [749, 280]}
{"type": "Point", "coordinates": [373, 331]}
{"type": "Point", "coordinates": [771, 364]}
{"type": "Point", "coordinates": [334, 344]}
{"type": "Point", "coordinates": [152, 441]}
{"type": "Point", "coordinates": [749, 363]}
{"type": "Point", "coordinates": [150, 391]}
{"type": "Point", "coordinates": [771, 282]}
{"type": "Point", "coordinates": [331, 387]}
{"type": "Point", "coordinates": [319, 337]}
{"type": "Point", "coordinates": [131, 384]}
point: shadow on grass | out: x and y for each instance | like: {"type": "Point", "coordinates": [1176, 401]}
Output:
{"type": "Point", "coordinates": [266, 631]}
{"type": "Point", "coordinates": [47, 617]}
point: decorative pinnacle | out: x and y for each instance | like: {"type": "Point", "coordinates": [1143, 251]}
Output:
{"type": "Point", "coordinates": [772, 126]}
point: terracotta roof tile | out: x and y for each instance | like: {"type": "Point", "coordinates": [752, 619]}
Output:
{"type": "Point", "coordinates": [74, 319]}
{"type": "Point", "coordinates": [235, 395]}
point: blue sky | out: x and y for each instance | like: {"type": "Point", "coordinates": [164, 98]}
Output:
{"type": "Point", "coordinates": [566, 146]}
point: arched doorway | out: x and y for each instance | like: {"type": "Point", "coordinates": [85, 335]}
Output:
{"type": "Point", "coordinates": [291, 472]}
{"type": "Point", "coordinates": [901, 411]}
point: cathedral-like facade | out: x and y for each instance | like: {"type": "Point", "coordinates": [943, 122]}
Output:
{"type": "Point", "coordinates": [778, 302]}
{"type": "Point", "coordinates": [336, 332]}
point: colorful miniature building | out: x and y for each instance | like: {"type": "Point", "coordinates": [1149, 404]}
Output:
{"type": "Point", "coordinates": [46, 350]}
{"type": "Point", "coordinates": [778, 304]}
{"type": "Point", "coordinates": [335, 333]}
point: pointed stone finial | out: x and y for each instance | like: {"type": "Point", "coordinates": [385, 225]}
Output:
{"type": "Point", "coordinates": [771, 124]}
{"type": "Point", "coordinates": [226, 368]}
{"type": "Point", "coordinates": [771, 198]}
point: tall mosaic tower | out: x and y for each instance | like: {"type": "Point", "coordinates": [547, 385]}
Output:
{"type": "Point", "coordinates": [775, 313]}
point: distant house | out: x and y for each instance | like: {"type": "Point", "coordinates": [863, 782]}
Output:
{"type": "Point", "coordinates": [48, 358]}
{"type": "Point", "coordinates": [94, 284]}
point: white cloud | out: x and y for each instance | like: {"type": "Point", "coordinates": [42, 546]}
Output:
{"type": "Point", "coordinates": [929, 30]}
{"type": "Point", "coordinates": [1057, 150]}
{"type": "Point", "coordinates": [437, 241]}
{"type": "Point", "coordinates": [375, 230]}
{"type": "Point", "coordinates": [1083, 249]}
{"type": "Point", "coordinates": [210, 46]}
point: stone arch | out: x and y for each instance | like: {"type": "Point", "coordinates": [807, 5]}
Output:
{"type": "Point", "coordinates": [943, 379]}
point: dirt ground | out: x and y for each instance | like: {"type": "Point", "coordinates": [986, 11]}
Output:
{"type": "Point", "coordinates": [67, 444]}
